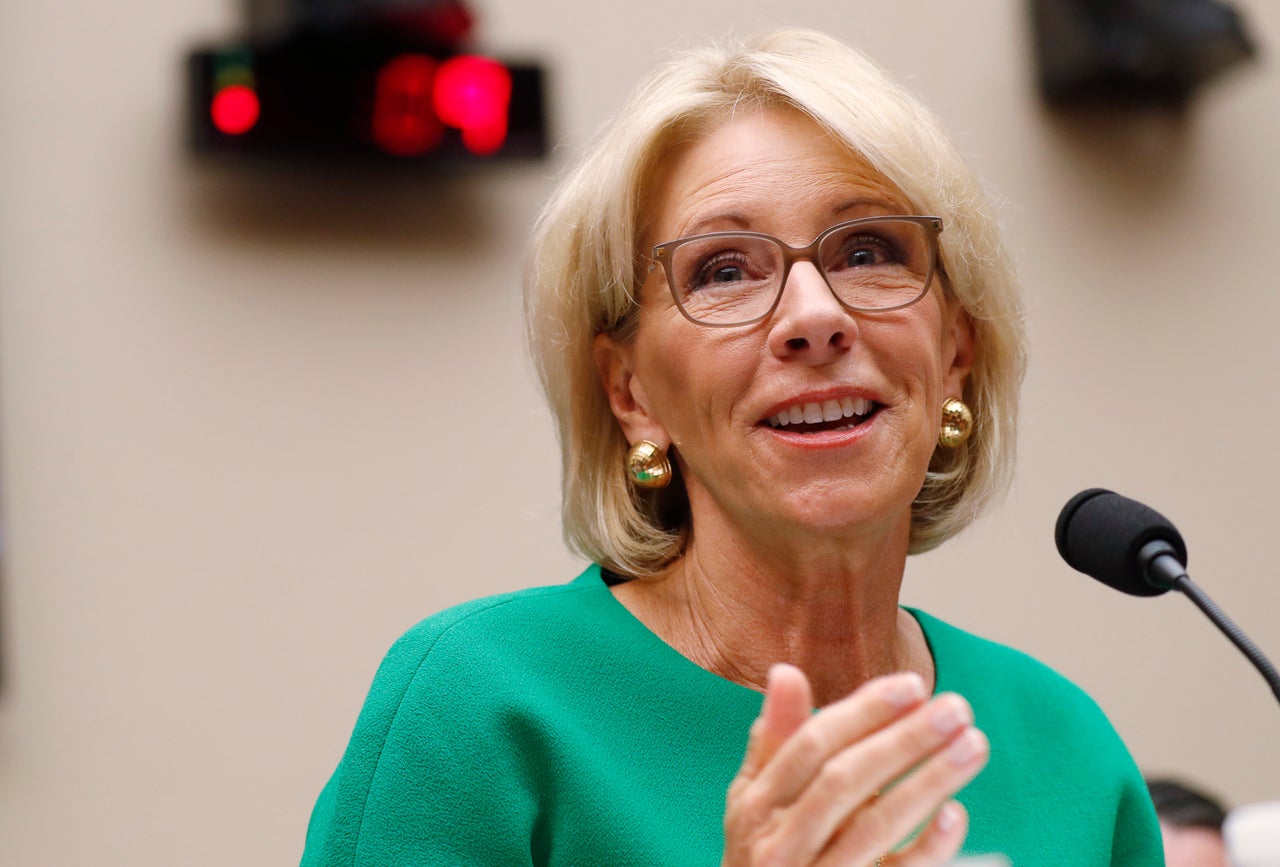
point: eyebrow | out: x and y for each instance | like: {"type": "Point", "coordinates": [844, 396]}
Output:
{"type": "Point", "coordinates": [737, 218]}
{"type": "Point", "coordinates": [740, 220]}
{"type": "Point", "coordinates": [890, 204]}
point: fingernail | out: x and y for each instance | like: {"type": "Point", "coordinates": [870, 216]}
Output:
{"type": "Point", "coordinates": [770, 679]}
{"type": "Point", "coordinates": [965, 748]}
{"type": "Point", "coordinates": [905, 690]}
{"type": "Point", "coordinates": [948, 817]}
{"type": "Point", "coordinates": [948, 714]}
{"type": "Point", "coordinates": [774, 671]}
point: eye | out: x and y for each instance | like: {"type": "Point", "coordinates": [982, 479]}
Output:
{"type": "Point", "coordinates": [720, 268]}
{"type": "Point", "coordinates": [724, 265]}
{"type": "Point", "coordinates": [866, 250]}
{"type": "Point", "coordinates": [861, 256]}
{"type": "Point", "coordinates": [726, 274]}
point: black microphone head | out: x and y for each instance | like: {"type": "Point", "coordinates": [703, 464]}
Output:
{"type": "Point", "coordinates": [1100, 533]}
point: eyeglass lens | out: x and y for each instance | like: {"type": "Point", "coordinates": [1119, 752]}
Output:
{"type": "Point", "coordinates": [869, 265]}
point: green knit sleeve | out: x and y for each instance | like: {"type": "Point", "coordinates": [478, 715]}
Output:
{"type": "Point", "coordinates": [426, 778]}
{"type": "Point", "coordinates": [1137, 841]}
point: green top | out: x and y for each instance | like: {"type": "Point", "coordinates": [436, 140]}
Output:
{"type": "Point", "coordinates": [550, 726]}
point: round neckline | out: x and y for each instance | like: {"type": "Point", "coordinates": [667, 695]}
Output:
{"type": "Point", "coordinates": [673, 658]}
{"type": "Point", "coordinates": [676, 659]}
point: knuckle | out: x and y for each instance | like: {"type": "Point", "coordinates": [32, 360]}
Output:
{"type": "Point", "coordinates": [757, 831]}
{"type": "Point", "coordinates": [747, 805]}
{"type": "Point", "coordinates": [813, 739]}
{"type": "Point", "coordinates": [736, 789]}
{"type": "Point", "coordinates": [839, 774]}
{"type": "Point", "coordinates": [918, 735]}
{"type": "Point", "coordinates": [918, 739]}
{"type": "Point", "coordinates": [768, 852]}
{"type": "Point", "coordinates": [873, 826]}
{"type": "Point", "coordinates": [757, 805]}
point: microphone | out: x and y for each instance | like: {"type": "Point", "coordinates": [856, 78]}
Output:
{"type": "Point", "coordinates": [1133, 548]}
{"type": "Point", "coordinates": [1117, 540]}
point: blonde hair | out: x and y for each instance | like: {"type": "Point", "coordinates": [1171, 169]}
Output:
{"type": "Point", "coordinates": [584, 279]}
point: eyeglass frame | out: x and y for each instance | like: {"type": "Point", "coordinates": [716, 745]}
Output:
{"type": "Point", "coordinates": [664, 253]}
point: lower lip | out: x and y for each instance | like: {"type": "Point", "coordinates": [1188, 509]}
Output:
{"type": "Point", "coordinates": [834, 439]}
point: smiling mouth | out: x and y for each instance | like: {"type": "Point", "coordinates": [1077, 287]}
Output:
{"type": "Point", "coordinates": [829, 415]}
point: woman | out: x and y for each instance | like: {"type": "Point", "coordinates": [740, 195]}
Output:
{"type": "Point", "coordinates": [773, 294]}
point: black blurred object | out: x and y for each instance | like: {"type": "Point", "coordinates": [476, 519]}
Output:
{"type": "Point", "coordinates": [382, 82]}
{"type": "Point", "coordinates": [1154, 52]}
{"type": "Point", "coordinates": [448, 20]}
{"type": "Point", "coordinates": [1184, 806]}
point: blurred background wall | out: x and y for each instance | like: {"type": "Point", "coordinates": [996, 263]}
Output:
{"type": "Point", "coordinates": [254, 426]}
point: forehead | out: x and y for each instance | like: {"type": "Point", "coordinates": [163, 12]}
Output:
{"type": "Point", "coordinates": [771, 170]}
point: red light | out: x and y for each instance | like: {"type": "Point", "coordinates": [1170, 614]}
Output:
{"type": "Point", "coordinates": [403, 122]}
{"type": "Point", "coordinates": [234, 109]}
{"type": "Point", "coordinates": [472, 93]}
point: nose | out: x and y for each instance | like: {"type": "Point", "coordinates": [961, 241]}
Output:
{"type": "Point", "coordinates": [809, 324]}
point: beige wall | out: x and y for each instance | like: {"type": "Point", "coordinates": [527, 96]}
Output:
{"type": "Point", "coordinates": [254, 426]}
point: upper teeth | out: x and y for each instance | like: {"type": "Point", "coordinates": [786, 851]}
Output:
{"type": "Point", "coordinates": [828, 410]}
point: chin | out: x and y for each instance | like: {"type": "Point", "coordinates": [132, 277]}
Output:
{"type": "Point", "coordinates": [840, 515]}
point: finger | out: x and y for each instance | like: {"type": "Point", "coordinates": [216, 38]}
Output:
{"type": "Point", "coordinates": [826, 734]}
{"type": "Point", "coordinates": [938, 843]}
{"type": "Point", "coordinates": [838, 803]}
{"type": "Point", "coordinates": [881, 825]}
{"type": "Point", "coordinates": [788, 703]}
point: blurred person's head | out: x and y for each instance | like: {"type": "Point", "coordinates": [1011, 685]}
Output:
{"type": "Point", "coordinates": [1190, 823]}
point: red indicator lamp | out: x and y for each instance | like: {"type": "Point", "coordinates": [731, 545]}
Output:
{"type": "Point", "coordinates": [403, 122]}
{"type": "Point", "coordinates": [364, 93]}
{"type": "Point", "coordinates": [473, 94]}
{"type": "Point", "coordinates": [417, 98]}
{"type": "Point", "coordinates": [234, 109]}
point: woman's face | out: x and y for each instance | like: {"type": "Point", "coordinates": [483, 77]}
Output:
{"type": "Point", "coordinates": [712, 392]}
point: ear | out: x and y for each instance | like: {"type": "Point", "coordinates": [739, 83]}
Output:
{"type": "Point", "coordinates": [616, 363]}
{"type": "Point", "coordinates": [957, 350]}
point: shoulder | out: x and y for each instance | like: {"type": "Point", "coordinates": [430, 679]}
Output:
{"type": "Point", "coordinates": [491, 617]}
{"type": "Point", "coordinates": [1011, 686]}
{"type": "Point", "coordinates": [1054, 754]}
{"type": "Point", "coordinates": [460, 664]}
{"type": "Point", "coordinates": [964, 658]}
{"type": "Point", "coordinates": [437, 743]}
{"type": "Point", "coordinates": [489, 636]}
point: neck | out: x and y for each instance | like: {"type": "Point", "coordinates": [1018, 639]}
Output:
{"type": "Point", "coordinates": [829, 609]}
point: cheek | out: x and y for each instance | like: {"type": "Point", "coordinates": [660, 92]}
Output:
{"type": "Point", "coordinates": [693, 379]}
{"type": "Point", "coordinates": [662, 369]}
{"type": "Point", "coordinates": [916, 350]}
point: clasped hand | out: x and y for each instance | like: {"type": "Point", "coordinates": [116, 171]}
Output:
{"type": "Point", "coordinates": [846, 785]}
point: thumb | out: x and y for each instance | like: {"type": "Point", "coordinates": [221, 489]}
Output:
{"type": "Point", "coordinates": [788, 703]}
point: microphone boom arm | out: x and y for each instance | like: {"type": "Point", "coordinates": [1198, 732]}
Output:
{"type": "Point", "coordinates": [1163, 569]}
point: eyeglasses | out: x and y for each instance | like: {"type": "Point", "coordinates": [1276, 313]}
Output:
{"type": "Point", "coordinates": [736, 278]}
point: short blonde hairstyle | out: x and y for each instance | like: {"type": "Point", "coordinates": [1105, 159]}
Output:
{"type": "Point", "coordinates": [585, 276]}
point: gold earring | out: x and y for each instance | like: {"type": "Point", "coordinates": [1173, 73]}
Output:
{"type": "Point", "coordinates": [647, 465]}
{"type": "Point", "coordinates": [957, 423]}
